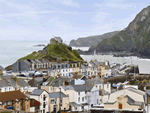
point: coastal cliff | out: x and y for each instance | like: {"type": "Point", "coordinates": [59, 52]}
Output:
{"type": "Point", "coordinates": [135, 38]}
{"type": "Point", "coordinates": [91, 40]}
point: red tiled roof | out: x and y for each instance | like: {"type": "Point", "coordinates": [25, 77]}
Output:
{"type": "Point", "coordinates": [12, 95]}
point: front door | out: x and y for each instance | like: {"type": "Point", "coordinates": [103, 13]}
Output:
{"type": "Point", "coordinates": [55, 108]}
{"type": "Point", "coordinates": [120, 106]}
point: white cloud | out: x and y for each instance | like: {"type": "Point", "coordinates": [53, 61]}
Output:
{"type": "Point", "coordinates": [67, 2]}
{"type": "Point", "coordinates": [70, 3]}
{"type": "Point", "coordinates": [100, 16]}
{"type": "Point", "coordinates": [31, 13]}
{"type": "Point", "coordinates": [120, 4]}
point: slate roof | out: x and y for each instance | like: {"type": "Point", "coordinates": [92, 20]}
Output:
{"type": "Point", "coordinates": [44, 61]}
{"type": "Point", "coordinates": [27, 61]}
{"type": "Point", "coordinates": [91, 63]}
{"type": "Point", "coordinates": [133, 102]}
{"type": "Point", "coordinates": [22, 83]}
{"type": "Point", "coordinates": [106, 66]}
{"type": "Point", "coordinates": [13, 83]}
{"type": "Point", "coordinates": [94, 81]}
{"type": "Point", "coordinates": [148, 92]}
{"type": "Point", "coordinates": [83, 66]}
{"type": "Point", "coordinates": [37, 92]}
{"type": "Point", "coordinates": [68, 87]}
{"type": "Point", "coordinates": [96, 62]}
{"type": "Point", "coordinates": [7, 77]}
{"type": "Point", "coordinates": [80, 88]}
{"type": "Point", "coordinates": [74, 104]}
{"type": "Point", "coordinates": [57, 95]}
{"type": "Point", "coordinates": [59, 82]}
{"type": "Point", "coordinates": [3, 69]}
{"type": "Point", "coordinates": [33, 61]}
{"type": "Point", "coordinates": [3, 83]}
{"type": "Point", "coordinates": [58, 39]}
{"type": "Point", "coordinates": [38, 61]}
{"type": "Point", "coordinates": [38, 79]}
{"type": "Point", "coordinates": [36, 82]}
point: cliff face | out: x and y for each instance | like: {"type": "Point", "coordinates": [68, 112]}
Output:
{"type": "Point", "coordinates": [135, 38]}
{"type": "Point", "coordinates": [91, 40]}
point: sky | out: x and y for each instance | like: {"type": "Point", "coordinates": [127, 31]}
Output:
{"type": "Point", "coordinates": [38, 20]}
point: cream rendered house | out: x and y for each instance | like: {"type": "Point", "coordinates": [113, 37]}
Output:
{"type": "Point", "coordinates": [41, 96]}
{"type": "Point", "coordinates": [58, 100]}
{"type": "Point", "coordinates": [69, 91]}
{"type": "Point", "coordinates": [127, 99]}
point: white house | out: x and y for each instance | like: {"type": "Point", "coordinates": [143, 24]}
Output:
{"type": "Point", "coordinates": [107, 71]}
{"type": "Point", "coordinates": [99, 83]}
{"type": "Point", "coordinates": [84, 97]}
{"type": "Point", "coordinates": [42, 96]}
{"type": "Point", "coordinates": [5, 86]}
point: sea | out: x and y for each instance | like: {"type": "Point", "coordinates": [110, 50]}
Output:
{"type": "Point", "coordinates": [11, 51]}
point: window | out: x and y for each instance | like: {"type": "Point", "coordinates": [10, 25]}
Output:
{"type": "Point", "coordinates": [51, 89]}
{"type": "Point", "coordinates": [79, 99]}
{"type": "Point", "coordinates": [97, 101]}
{"type": "Point", "coordinates": [85, 92]}
{"type": "Point", "coordinates": [78, 93]}
{"type": "Point", "coordinates": [44, 98]}
{"type": "Point", "coordinates": [44, 104]}
{"type": "Point", "coordinates": [93, 93]}
{"type": "Point", "coordinates": [52, 101]}
{"type": "Point", "coordinates": [66, 70]}
{"type": "Point", "coordinates": [61, 101]}
{"type": "Point", "coordinates": [63, 70]}
{"type": "Point", "coordinates": [85, 97]}
{"type": "Point", "coordinates": [100, 87]}
{"type": "Point", "coordinates": [5, 89]}
{"type": "Point", "coordinates": [33, 103]}
{"type": "Point", "coordinates": [82, 98]}
{"type": "Point", "coordinates": [10, 103]}
{"type": "Point", "coordinates": [107, 85]}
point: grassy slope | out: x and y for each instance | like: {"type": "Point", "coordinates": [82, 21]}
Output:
{"type": "Point", "coordinates": [55, 51]}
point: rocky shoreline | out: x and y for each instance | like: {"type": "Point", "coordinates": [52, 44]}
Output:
{"type": "Point", "coordinates": [115, 54]}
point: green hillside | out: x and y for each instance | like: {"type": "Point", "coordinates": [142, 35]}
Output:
{"type": "Point", "coordinates": [56, 52]}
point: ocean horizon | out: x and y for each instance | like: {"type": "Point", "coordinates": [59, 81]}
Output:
{"type": "Point", "coordinates": [11, 51]}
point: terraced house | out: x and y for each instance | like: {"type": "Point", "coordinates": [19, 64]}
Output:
{"type": "Point", "coordinates": [58, 100]}
{"type": "Point", "coordinates": [27, 65]}
{"type": "Point", "coordinates": [15, 100]}
{"type": "Point", "coordinates": [10, 83]}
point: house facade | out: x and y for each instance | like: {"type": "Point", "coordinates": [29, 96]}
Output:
{"type": "Point", "coordinates": [43, 97]}
{"type": "Point", "coordinates": [19, 102]}
{"type": "Point", "coordinates": [129, 98]}
{"type": "Point", "coordinates": [58, 101]}
{"type": "Point", "coordinates": [85, 96]}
